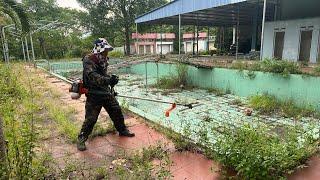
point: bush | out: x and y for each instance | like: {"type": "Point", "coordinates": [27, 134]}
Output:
{"type": "Point", "coordinates": [316, 70]}
{"type": "Point", "coordinates": [268, 104]}
{"type": "Point", "coordinates": [175, 81]}
{"type": "Point", "coordinates": [256, 154]}
{"type": "Point", "coordinates": [282, 67]}
{"type": "Point", "coordinates": [116, 54]}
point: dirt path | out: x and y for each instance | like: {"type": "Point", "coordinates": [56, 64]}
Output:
{"type": "Point", "coordinates": [102, 150]}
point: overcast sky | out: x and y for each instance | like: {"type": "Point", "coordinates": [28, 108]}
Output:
{"type": "Point", "coordinates": [70, 4]}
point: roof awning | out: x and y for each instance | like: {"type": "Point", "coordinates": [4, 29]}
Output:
{"type": "Point", "coordinates": [208, 12]}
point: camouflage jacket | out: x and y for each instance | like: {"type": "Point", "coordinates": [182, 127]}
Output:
{"type": "Point", "coordinates": [95, 76]}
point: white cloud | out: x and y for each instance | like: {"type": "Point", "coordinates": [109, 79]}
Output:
{"type": "Point", "coordinates": [70, 4]}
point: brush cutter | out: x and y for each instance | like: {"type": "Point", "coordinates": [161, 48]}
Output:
{"type": "Point", "coordinates": [77, 89]}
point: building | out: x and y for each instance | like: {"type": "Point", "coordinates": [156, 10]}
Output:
{"type": "Point", "coordinates": [283, 29]}
{"type": "Point", "coordinates": [152, 43]}
{"type": "Point", "coordinates": [204, 43]}
{"type": "Point", "coordinates": [294, 32]}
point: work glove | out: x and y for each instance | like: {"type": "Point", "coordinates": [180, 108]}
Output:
{"type": "Point", "coordinates": [114, 80]}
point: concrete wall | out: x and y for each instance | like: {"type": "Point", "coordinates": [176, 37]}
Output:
{"type": "Point", "coordinates": [188, 45]}
{"type": "Point", "coordinates": [292, 38]}
{"type": "Point", "coordinates": [240, 84]}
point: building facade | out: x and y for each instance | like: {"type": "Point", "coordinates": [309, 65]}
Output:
{"type": "Point", "coordinates": [295, 33]}
{"type": "Point", "coordinates": [152, 43]}
{"type": "Point", "coordinates": [204, 43]}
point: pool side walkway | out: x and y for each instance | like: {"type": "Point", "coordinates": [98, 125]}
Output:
{"type": "Point", "coordinates": [186, 165]}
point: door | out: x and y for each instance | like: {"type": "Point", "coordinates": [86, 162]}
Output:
{"type": "Point", "coordinates": [148, 49]}
{"type": "Point", "coordinates": [278, 45]}
{"type": "Point", "coordinates": [305, 45]}
{"type": "Point", "coordinates": [141, 49]}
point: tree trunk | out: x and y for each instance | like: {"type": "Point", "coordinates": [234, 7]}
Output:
{"type": "Point", "coordinates": [127, 34]}
{"type": "Point", "coordinates": [2, 143]}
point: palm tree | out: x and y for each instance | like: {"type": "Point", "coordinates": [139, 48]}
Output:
{"type": "Point", "coordinates": [16, 12]}
{"type": "Point", "coordinates": [18, 15]}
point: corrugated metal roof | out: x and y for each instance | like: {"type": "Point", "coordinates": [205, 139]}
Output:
{"type": "Point", "coordinates": [208, 12]}
{"type": "Point", "coordinates": [182, 7]}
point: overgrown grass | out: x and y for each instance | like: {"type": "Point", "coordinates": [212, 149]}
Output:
{"type": "Point", "coordinates": [256, 155]}
{"type": "Point", "coordinates": [140, 165]}
{"type": "Point", "coordinates": [175, 81]}
{"type": "Point", "coordinates": [316, 70]}
{"type": "Point", "coordinates": [100, 130]}
{"type": "Point", "coordinates": [216, 91]}
{"type": "Point", "coordinates": [17, 108]}
{"type": "Point", "coordinates": [63, 118]}
{"type": "Point", "coordinates": [29, 108]}
{"type": "Point", "coordinates": [116, 54]}
{"type": "Point", "coordinates": [268, 104]}
{"type": "Point", "coordinates": [269, 65]}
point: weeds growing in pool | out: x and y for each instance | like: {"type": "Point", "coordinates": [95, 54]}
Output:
{"type": "Point", "coordinates": [175, 81]}
{"type": "Point", "coordinates": [268, 104]}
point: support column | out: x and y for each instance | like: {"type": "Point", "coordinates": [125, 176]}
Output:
{"type": "Point", "coordinates": [179, 34]}
{"type": "Point", "coordinates": [161, 39]}
{"type": "Point", "coordinates": [31, 42]}
{"type": "Point", "coordinates": [27, 48]}
{"type": "Point", "coordinates": [6, 49]}
{"type": "Point", "coordinates": [197, 40]}
{"type": "Point", "coordinates": [193, 40]}
{"type": "Point", "coordinates": [208, 43]}
{"type": "Point", "coordinates": [254, 30]}
{"type": "Point", "coordinates": [263, 26]}
{"type": "Point", "coordinates": [137, 46]}
{"type": "Point", "coordinates": [3, 46]}
{"type": "Point", "coordinates": [238, 24]}
{"type": "Point", "coordinates": [23, 51]}
{"type": "Point", "coordinates": [234, 34]}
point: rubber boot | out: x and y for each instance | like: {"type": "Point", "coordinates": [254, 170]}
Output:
{"type": "Point", "coordinates": [126, 133]}
{"type": "Point", "coordinates": [81, 144]}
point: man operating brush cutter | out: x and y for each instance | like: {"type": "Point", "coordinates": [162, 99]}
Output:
{"type": "Point", "coordinates": [99, 83]}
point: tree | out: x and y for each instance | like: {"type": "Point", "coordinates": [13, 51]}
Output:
{"type": "Point", "coordinates": [111, 17]}
{"type": "Point", "coordinates": [16, 12]}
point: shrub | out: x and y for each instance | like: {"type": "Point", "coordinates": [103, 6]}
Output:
{"type": "Point", "coordinates": [256, 154]}
{"type": "Point", "coordinates": [268, 104]}
{"type": "Point", "coordinates": [116, 54]}
{"type": "Point", "coordinates": [316, 70]}
{"type": "Point", "coordinates": [282, 67]}
{"type": "Point", "coordinates": [174, 81]}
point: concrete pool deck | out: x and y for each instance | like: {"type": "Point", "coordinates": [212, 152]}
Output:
{"type": "Point", "coordinates": [217, 109]}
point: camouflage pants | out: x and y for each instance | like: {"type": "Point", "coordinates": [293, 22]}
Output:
{"type": "Point", "coordinates": [93, 107]}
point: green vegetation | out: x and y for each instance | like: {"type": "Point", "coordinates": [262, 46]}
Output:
{"type": "Point", "coordinates": [216, 91]}
{"type": "Point", "coordinates": [269, 104]}
{"type": "Point", "coordinates": [316, 70]}
{"type": "Point", "coordinates": [62, 117]}
{"type": "Point", "coordinates": [141, 164]}
{"type": "Point", "coordinates": [17, 109]}
{"type": "Point", "coordinates": [116, 54]}
{"type": "Point", "coordinates": [175, 81]}
{"type": "Point", "coordinates": [100, 130]}
{"type": "Point", "coordinates": [268, 65]}
{"type": "Point", "coordinates": [256, 155]}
